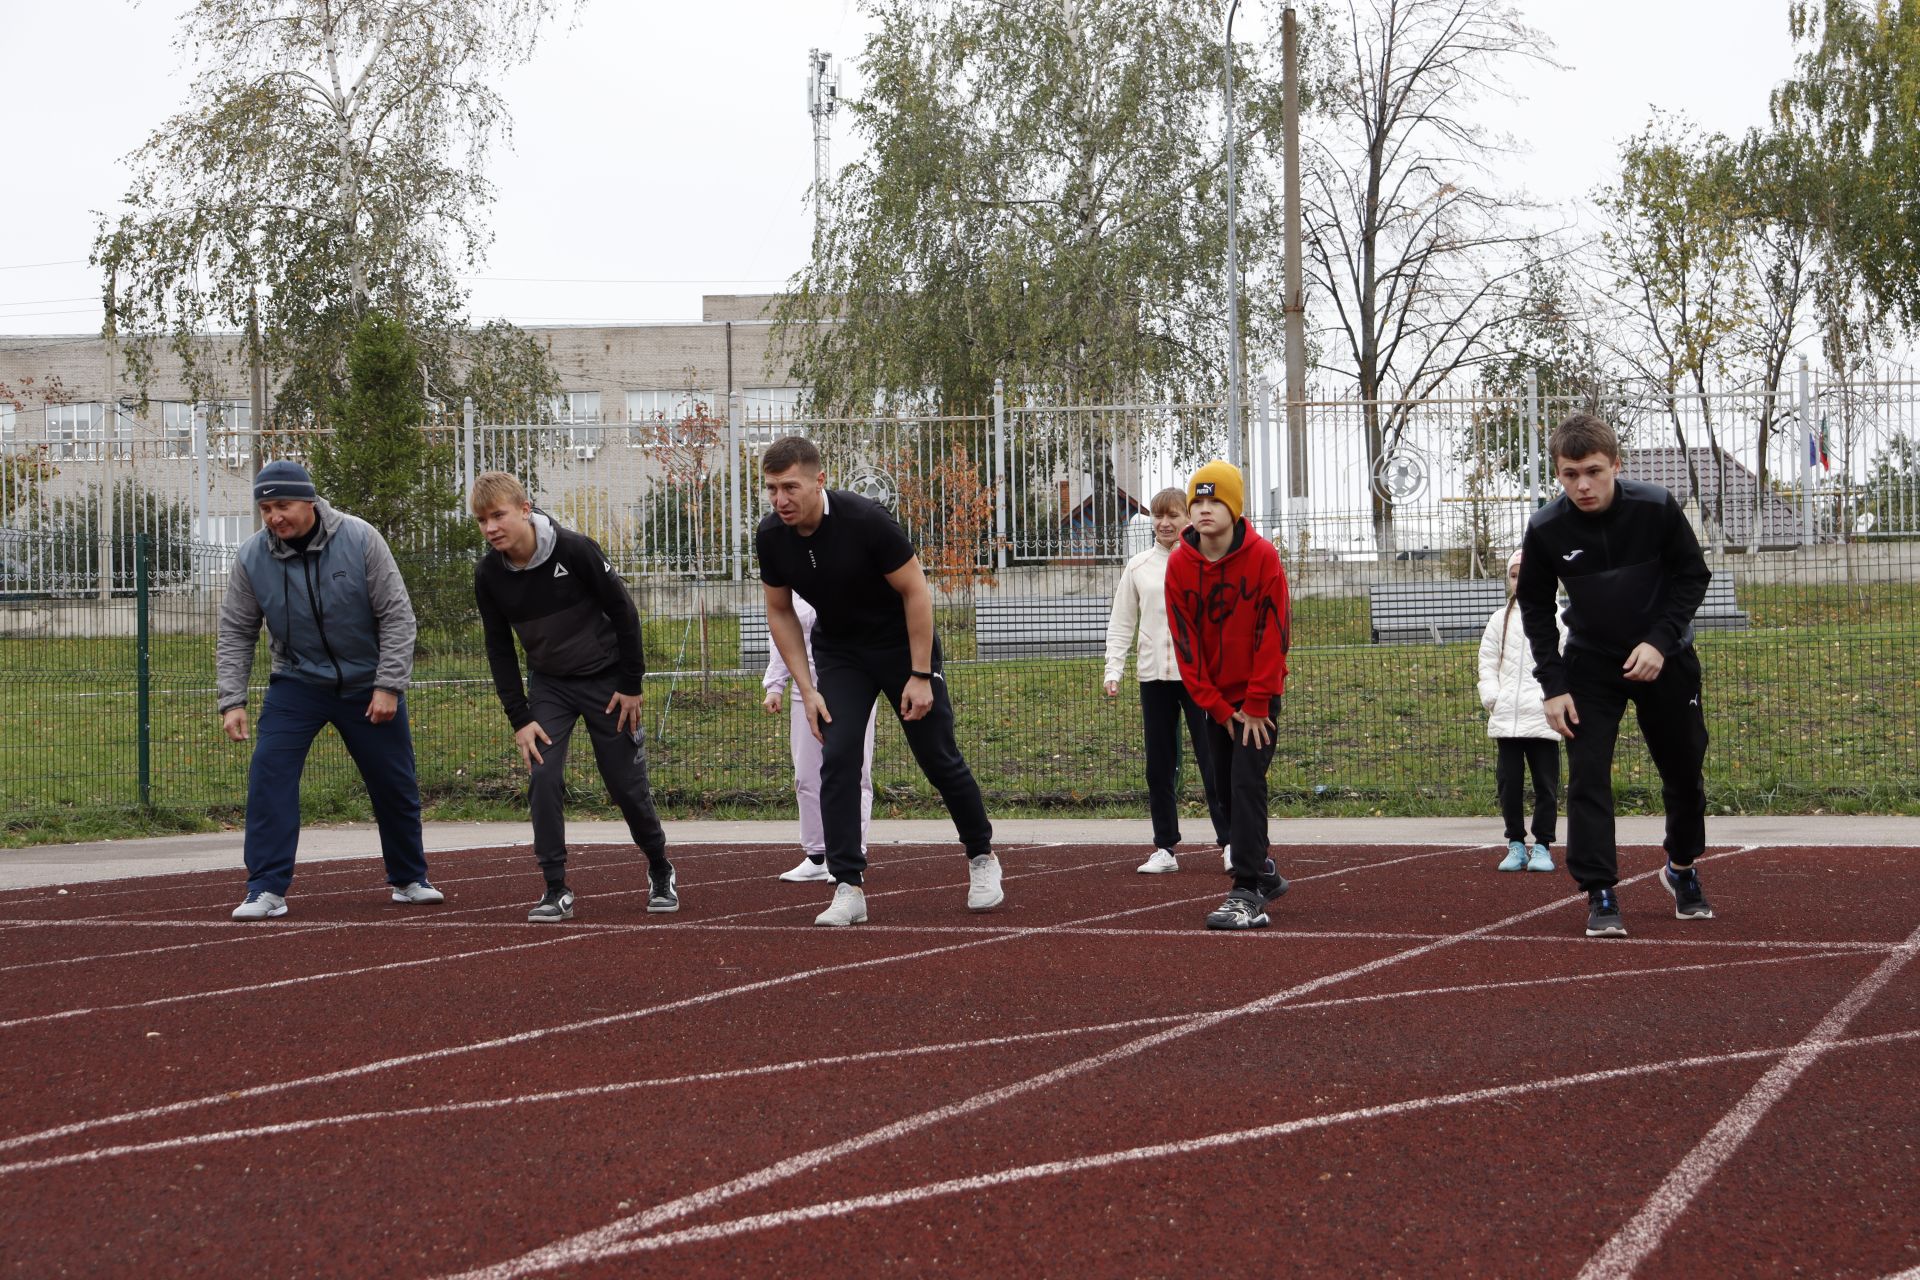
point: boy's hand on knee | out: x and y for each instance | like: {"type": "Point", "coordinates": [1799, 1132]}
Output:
{"type": "Point", "coordinates": [628, 707]}
{"type": "Point", "coordinates": [1561, 717]}
{"type": "Point", "coordinates": [525, 737]}
{"type": "Point", "coordinates": [1253, 733]}
{"type": "Point", "coordinates": [1644, 663]}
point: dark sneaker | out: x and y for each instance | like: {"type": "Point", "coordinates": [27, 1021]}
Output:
{"type": "Point", "coordinates": [1603, 915]}
{"type": "Point", "coordinates": [1272, 883]}
{"type": "Point", "coordinates": [556, 906]}
{"type": "Point", "coordinates": [1243, 909]}
{"type": "Point", "coordinates": [662, 892]}
{"type": "Point", "coordinates": [1689, 899]}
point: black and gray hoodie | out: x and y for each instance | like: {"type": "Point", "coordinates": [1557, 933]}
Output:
{"type": "Point", "coordinates": [569, 608]}
{"type": "Point", "coordinates": [337, 614]}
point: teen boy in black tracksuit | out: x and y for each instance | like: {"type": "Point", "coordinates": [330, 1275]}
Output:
{"type": "Point", "coordinates": [558, 593]}
{"type": "Point", "coordinates": [1634, 576]}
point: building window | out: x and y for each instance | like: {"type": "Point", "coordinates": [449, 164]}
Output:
{"type": "Point", "coordinates": [766, 411]}
{"type": "Point", "coordinates": [580, 412]}
{"type": "Point", "coordinates": [663, 417]}
{"type": "Point", "coordinates": [80, 431]}
{"type": "Point", "coordinates": [6, 425]}
{"type": "Point", "coordinates": [176, 428]}
{"type": "Point", "coordinates": [228, 425]}
{"type": "Point", "coordinates": [223, 531]}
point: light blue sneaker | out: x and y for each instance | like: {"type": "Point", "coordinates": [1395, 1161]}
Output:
{"type": "Point", "coordinates": [1516, 859]}
{"type": "Point", "coordinates": [1541, 859]}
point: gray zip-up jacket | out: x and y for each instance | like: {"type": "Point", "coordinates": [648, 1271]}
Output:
{"type": "Point", "coordinates": [337, 615]}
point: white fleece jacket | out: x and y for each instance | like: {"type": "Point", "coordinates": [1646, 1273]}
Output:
{"type": "Point", "coordinates": [1140, 611]}
{"type": "Point", "coordinates": [1514, 701]}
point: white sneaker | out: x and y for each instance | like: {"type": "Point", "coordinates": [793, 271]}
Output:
{"type": "Point", "coordinates": [849, 906]}
{"type": "Point", "coordinates": [983, 883]}
{"type": "Point", "coordinates": [808, 870]}
{"type": "Point", "coordinates": [1226, 858]}
{"type": "Point", "coordinates": [1159, 864]}
{"type": "Point", "coordinates": [418, 892]}
{"type": "Point", "coordinates": [260, 906]}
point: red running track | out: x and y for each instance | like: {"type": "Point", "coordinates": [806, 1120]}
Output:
{"type": "Point", "coordinates": [1423, 1068]}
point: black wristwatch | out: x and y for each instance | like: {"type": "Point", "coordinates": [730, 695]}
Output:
{"type": "Point", "coordinates": [920, 675]}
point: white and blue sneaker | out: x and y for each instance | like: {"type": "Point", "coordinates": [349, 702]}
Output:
{"type": "Point", "coordinates": [419, 892]}
{"type": "Point", "coordinates": [260, 905]}
{"type": "Point", "coordinates": [1541, 859]}
{"type": "Point", "coordinates": [1516, 859]}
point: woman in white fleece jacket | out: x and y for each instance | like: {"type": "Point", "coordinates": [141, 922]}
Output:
{"type": "Point", "coordinates": [1517, 721]}
{"type": "Point", "coordinates": [1140, 614]}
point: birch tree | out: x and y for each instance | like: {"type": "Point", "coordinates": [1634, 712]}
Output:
{"type": "Point", "coordinates": [330, 160]}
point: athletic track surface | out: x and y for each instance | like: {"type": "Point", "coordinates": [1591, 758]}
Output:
{"type": "Point", "coordinates": [1424, 1068]}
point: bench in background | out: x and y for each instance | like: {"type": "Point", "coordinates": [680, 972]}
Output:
{"type": "Point", "coordinates": [1041, 627]}
{"type": "Point", "coordinates": [1440, 611]}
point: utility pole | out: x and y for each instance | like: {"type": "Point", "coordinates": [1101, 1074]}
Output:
{"type": "Point", "coordinates": [823, 99]}
{"type": "Point", "coordinates": [1236, 446]}
{"type": "Point", "coordinates": [1296, 301]}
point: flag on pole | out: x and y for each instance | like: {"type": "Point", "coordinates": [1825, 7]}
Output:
{"type": "Point", "coordinates": [1818, 454]}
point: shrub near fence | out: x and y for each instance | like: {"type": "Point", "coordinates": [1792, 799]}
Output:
{"type": "Point", "coordinates": [1811, 708]}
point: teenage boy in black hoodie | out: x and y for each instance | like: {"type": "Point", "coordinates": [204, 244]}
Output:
{"type": "Point", "coordinates": [1634, 577]}
{"type": "Point", "coordinates": [556, 590]}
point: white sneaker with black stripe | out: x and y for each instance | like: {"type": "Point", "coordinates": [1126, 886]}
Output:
{"type": "Point", "coordinates": [555, 906]}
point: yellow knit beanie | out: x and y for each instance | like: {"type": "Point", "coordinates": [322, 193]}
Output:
{"type": "Point", "coordinates": [1220, 481]}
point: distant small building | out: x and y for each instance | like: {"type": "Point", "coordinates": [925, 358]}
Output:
{"type": "Point", "coordinates": [1729, 493]}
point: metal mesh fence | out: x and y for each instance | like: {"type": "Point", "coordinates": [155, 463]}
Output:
{"type": "Point", "coordinates": [1805, 499]}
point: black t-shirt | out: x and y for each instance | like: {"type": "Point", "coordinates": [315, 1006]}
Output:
{"type": "Point", "coordinates": [840, 569]}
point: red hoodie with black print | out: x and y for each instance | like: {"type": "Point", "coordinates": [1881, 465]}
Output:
{"type": "Point", "coordinates": [1230, 621]}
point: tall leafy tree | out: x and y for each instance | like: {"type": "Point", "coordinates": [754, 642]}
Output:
{"type": "Point", "coordinates": [1856, 95]}
{"type": "Point", "coordinates": [1042, 199]}
{"type": "Point", "coordinates": [1673, 243]}
{"type": "Point", "coordinates": [329, 160]}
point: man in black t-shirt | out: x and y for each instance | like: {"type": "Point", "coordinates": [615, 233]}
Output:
{"type": "Point", "coordinates": [847, 558]}
{"type": "Point", "coordinates": [556, 591]}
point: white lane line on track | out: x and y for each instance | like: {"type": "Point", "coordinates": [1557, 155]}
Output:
{"type": "Point", "coordinates": [1189, 1146]}
{"type": "Point", "coordinates": [416, 918]}
{"type": "Point", "coordinates": [1635, 1242]}
{"type": "Point", "coordinates": [413, 918]}
{"type": "Point", "coordinates": [1268, 937]}
{"type": "Point", "coordinates": [806, 1064]}
{"type": "Point", "coordinates": [539, 1033]}
{"type": "Point", "coordinates": [380, 887]}
{"type": "Point", "coordinates": [582, 1248]}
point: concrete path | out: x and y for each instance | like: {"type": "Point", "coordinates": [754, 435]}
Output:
{"type": "Point", "coordinates": [220, 851]}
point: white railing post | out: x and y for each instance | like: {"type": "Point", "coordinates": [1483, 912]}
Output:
{"type": "Point", "coordinates": [1806, 454]}
{"type": "Point", "coordinates": [735, 534]}
{"type": "Point", "coordinates": [1533, 440]}
{"type": "Point", "coordinates": [1000, 476]}
{"type": "Point", "coordinates": [467, 472]}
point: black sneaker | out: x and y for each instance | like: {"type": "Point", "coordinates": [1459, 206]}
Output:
{"type": "Point", "coordinates": [1272, 883]}
{"type": "Point", "coordinates": [1243, 909]}
{"type": "Point", "coordinates": [1603, 915]}
{"type": "Point", "coordinates": [1689, 899]}
{"type": "Point", "coordinates": [556, 906]}
{"type": "Point", "coordinates": [662, 892]}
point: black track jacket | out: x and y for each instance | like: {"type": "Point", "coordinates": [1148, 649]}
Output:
{"type": "Point", "coordinates": [1633, 573]}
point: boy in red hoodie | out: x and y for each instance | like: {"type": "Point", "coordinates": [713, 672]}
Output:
{"type": "Point", "coordinates": [1227, 610]}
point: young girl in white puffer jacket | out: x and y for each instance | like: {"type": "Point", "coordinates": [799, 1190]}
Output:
{"type": "Point", "coordinates": [1517, 721]}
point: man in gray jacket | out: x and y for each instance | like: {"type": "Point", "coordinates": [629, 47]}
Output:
{"type": "Point", "coordinates": [341, 629]}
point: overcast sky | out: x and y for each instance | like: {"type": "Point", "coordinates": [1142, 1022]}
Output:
{"type": "Point", "coordinates": [663, 151]}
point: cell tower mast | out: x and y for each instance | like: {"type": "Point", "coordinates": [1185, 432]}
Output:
{"type": "Point", "coordinates": [823, 99]}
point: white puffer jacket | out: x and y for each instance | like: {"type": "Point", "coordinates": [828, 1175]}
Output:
{"type": "Point", "coordinates": [1140, 606]}
{"type": "Point", "coordinates": [1514, 701]}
